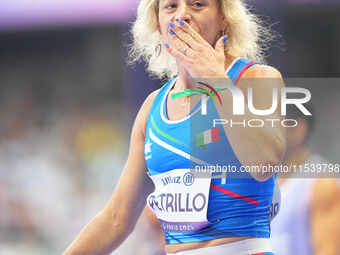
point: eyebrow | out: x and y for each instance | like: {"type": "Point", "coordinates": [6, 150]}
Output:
{"type": "Point", "coordinates": [161, 1]}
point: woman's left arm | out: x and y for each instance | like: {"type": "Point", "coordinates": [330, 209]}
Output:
{"type": "Point", "coordinates": [265, 144]}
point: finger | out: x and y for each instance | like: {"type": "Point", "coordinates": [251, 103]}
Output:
{"type": "Point", "coordinates": [221, 43]}
{"type": "Point", "coordinates": [184, 35]}
{"type": "Point", "coordinates": [192, 32]}
{"type": "Point", "coordinates": [178, 44]}
{"type": "Point", "coordinates": [177, 53]}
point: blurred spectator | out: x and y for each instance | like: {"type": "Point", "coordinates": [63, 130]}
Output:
{"type": "Point", "coordinates": [47, 188]}
{"type": "Point", "coordinates": [307, 222]}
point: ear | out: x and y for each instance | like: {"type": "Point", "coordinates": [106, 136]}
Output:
{"type": "Point", "coordinates": [224, 24]}
{"type": "Point", "coordinates": [158, 29]}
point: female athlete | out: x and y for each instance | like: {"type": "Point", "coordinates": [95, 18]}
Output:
{"type": "Point", "coordinates": [185, 40]}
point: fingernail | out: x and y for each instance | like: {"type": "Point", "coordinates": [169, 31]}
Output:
{"type": "Point", "coordinates": [181, 22]}
{"type": "Point", "coordinates": [172, 25]}
{"type": "Point", "coordinates": [225, 39]}
{"type": "Point", "coordinates": [171, 32]}
{"type": "Point", "coordinates": [166, 45]}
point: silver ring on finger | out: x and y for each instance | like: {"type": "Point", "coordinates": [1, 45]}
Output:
{"type": "Point", "coordinates": [184, 51]}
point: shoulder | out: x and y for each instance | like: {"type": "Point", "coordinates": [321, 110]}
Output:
{"type": "Point", "coordinates": [326, 194]}
{"type": "Point", "coordinates": [149, 100]}
{"type": "Point", "coordinates": [262, 71]}
{"type": "Point", "coordinates": [261, 77]}
{"type": "Point", "coordinates": [143, 113]}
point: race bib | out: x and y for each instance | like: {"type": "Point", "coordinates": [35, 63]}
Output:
{"type": "Point", "coordinates": [180, 200]}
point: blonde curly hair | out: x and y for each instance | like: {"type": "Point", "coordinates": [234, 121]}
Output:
{"type": "Point", "coordinates": [248, 37]}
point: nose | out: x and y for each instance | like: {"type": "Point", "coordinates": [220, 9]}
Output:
{"type": "Point", "coordinates": [183, 13]}
{"type": "Point", "coordinates": [187, 20]}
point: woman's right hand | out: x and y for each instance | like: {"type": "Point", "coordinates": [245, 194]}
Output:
{"type": "Point", "coordinates": [117, 220]}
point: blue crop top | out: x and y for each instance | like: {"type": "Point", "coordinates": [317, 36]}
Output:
{"type": "Point", "coordinates": [237, 207]}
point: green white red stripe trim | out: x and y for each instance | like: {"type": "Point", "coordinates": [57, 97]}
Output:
{"type": "Point", "coordinates": [209, 136]}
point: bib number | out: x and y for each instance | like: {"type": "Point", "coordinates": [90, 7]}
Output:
{"type": "Point", "coordinates": [180, 200]}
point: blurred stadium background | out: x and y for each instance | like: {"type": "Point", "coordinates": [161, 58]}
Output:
{"type": "Point", "coordinates": [68, 100]}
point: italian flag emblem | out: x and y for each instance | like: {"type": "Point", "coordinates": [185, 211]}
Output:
{"type": "Point", "coordinates": [209, 136]}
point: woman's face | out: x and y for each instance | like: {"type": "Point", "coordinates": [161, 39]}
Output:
{"type": "Point", "coordinates": [204, 16]}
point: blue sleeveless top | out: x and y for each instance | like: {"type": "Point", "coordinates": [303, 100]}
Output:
{"type": "Point", "coordinates": [237, 206]}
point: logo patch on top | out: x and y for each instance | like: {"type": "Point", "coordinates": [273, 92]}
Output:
{"type": "Point", "coordinates": [147, 150]}
{"type": "Point", "coordinates": [209, 136]}
{"type": "Point", "coordinates": [188, 179]}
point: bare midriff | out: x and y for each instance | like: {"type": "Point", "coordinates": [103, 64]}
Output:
{"type": "Point", "coordinates": [173, 248]}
